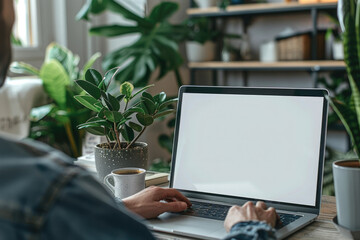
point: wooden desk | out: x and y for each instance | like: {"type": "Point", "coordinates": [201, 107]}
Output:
{"type": "Point", "coordinates": [322, 228]}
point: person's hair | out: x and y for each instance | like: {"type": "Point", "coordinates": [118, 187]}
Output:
{"type": "Point", "coordinates": [5, 45]}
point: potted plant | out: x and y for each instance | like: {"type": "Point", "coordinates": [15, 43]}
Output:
{"type": "Point", "coordinates": [347, 172]}
{"type": "Point", "coordinates": [200, 36]}
{"type": "Point", "coordinates": [55, 123]}
{"type": "Point", "coordinates": [120, 118]}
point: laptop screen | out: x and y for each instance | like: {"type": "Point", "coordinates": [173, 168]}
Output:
{"type": "Point", "coordinates": [251, 146]}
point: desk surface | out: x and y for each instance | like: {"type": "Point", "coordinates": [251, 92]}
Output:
{"type": "Point", "coordinates": [322, 228]}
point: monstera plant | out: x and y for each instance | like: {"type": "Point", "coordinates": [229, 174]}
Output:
{"type": "Point", "coordinates": [156, 47]}
{"type": "Point", "coordinates": [56, 122]}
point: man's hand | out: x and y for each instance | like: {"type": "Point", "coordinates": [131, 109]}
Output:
{"type": "Point", "coordinates": [249, 212]}
{"type": "Point", "coordinates": [154, 201]}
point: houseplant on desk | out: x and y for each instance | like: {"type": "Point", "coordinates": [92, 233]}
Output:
{"type": "Point", "coordinates": [347, 172]}
{"type": "Point", "coordinates": [116, 117]}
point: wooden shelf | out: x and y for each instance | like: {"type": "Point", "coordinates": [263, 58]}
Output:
{"type": "Point", "coordinates": [258, 8]}
{"type": "Point", "coordinates": [313, 66]}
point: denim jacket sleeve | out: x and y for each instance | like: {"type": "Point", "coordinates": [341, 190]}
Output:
{"type": "Point", "coordinates": [251, 230]}
{"type": "Point", "coordinates": [87, 211]}
{"type": "Point", "coordinates": [44, 196]}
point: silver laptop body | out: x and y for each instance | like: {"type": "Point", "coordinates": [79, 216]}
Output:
{"type": "Point", "coordinates": [234, 145]}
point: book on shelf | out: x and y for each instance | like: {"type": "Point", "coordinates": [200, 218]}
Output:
{"type": "Point", "coordinates": [151, 179]}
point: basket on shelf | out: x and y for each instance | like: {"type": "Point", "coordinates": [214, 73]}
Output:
{"type": "Point", "coordinates": [298, 46]}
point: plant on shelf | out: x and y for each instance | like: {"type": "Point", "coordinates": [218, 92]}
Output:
{"type": "Point", "coordinates": [55, 123]}
{"type": "Point", "coordinates": [115, 119]}
{"type": "Point", "coordinates": [200, 37]}
{"type": "Point", "coordinates": [156, 47]}
{"type": "Point", "coordinates": [347, 172]}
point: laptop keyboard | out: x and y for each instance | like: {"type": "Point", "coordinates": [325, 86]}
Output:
{"type": "Point", "coordinates": [285, 219]}
{"type": "Point", "coordinates": [218, 212]}
{"type": "Point", "coordinates": [207, 210]}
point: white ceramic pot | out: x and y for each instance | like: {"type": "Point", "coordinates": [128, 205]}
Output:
{"type": "Point", "coordinates": [197, 52]}
{"type": "Point", "coordinates": [338, 50]}
{"type": "Point", "coordinates": [347, 192]}
{"type": "Point", "coordinates": [206, 3]}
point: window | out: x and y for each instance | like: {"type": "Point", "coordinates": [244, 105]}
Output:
{"type": "Point", "coordinates": [32, 31]}
{"type": "Point", "coordinates": [25, 27]}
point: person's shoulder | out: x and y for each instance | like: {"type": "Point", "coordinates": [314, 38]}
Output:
{"type": "Point", "coordinates": [30, 170]}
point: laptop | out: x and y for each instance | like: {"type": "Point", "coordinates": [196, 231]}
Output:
{"type": "Point", "coordinates": [235, 144]}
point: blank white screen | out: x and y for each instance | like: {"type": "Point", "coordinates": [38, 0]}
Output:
{"type": "Point", "coordinates": [253, 146]}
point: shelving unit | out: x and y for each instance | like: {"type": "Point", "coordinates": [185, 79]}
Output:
{"type": "Point", "coordinates": [273, 66]}
{"type": "Point", "coordinates": [258, 8]}
{"type": "Point", "coordinates": [246, 11]}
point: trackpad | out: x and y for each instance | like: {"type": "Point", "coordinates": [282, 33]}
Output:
{"type": "Point", "coordinates": [188, 226]}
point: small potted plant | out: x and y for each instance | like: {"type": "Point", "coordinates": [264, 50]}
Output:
{"type": "Point", "coordinates": [122, 118]}
{"type": "Point", "coordinates": [200, 36]}
{"type": "Point", "coordinates": [347, 172]}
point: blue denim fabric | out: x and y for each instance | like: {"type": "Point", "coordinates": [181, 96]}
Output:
{"type": "Point", "coordinates": [44, 196]}
{"type": "Point", "coordinates": [251, 230]}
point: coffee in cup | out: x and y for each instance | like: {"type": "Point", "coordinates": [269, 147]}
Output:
{"type": "Point", "coordinates": [127, 181]}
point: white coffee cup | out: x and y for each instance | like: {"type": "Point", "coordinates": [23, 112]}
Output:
{"type": "Point", "coordinates": [128, 181]}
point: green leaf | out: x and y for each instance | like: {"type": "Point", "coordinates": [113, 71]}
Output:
{"type": "Point", "coordinates": [148, 95]}
{"type": "Point", "coordinates": [143, 89]}
{"type": "Point", "coordinates": [163, 11]}
{"type": "Point", "coordinates": [113, 116]}
{"type": "Point", "coordinates": [122, 122]}
{"type": "Point", "coordinates": [144, 119]}
{"type": "Point", "coordinates": [114, 102]}
{"type": "Point", "coordinates": [99, 131]}
{"type": "Point", "coordinates": [150, 63]}
{"type": "Point", "coordinates": [127, 133]}
{"type": "Point", "coordinates": [135, 126]}
{"type": "Point", "coordinates": [120, 97]}
{"type": "Point", "coordinates": [160, 98]}
{"type": "Point", "coordinates": [39, 113]}
{"type": "Point", "coordinates": [349, 118]}
{"type": "Point", "coordinates": [101, 114]}
{"type": "Point", "coordinates": [65, 57]}
{"type": "Point", "coordinates": [91, 6]}
{"type": "Point", "coordinates": [164, 113]}
{"type": "Point", "coordinates": [90, 88]}
{"type": "Point", "coordinates": [118, 8]}
{"type": "Point", "coordinates": [93, 76]}
{"type": "Point", "coordinates": [133, 110]}
{"type": "Point", "coordinates": [140, 68]}
{"type": "Point", "coordinates": [88, 101]}
{"type": "Point", "coordinates": [55, 80]}
{"type": "Point", "coordinates": [23, 68]}
{"type": "Point", "coordinates": [150, 105]}
{"type": "Point", "coordinates": [89, 64]}
{"type": "Point", "coordinates": [94, 123]}
{"type": "Point", "coordinates": [114, 30]}
{"type": "Point", "coordinates": [167, 103]}
{"type": "Point", "coordinates": [126, 89]}
{"type": "Point", "coordinates": [167, 42]}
